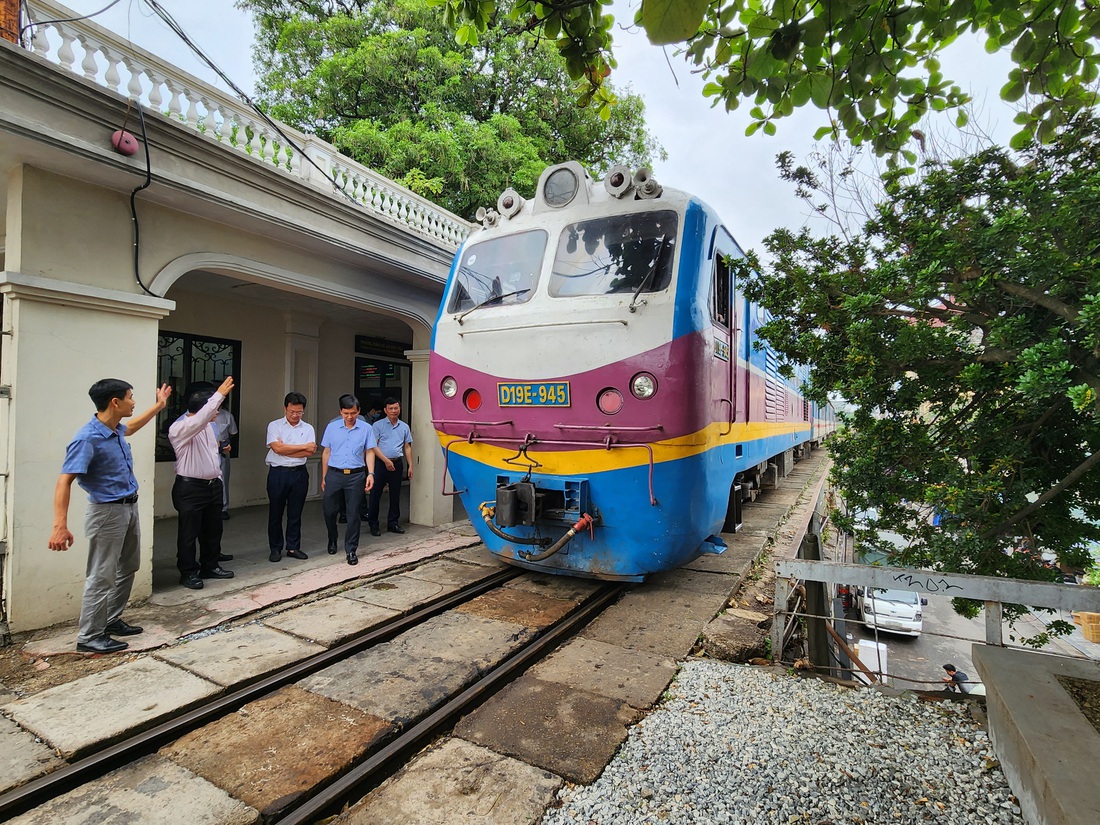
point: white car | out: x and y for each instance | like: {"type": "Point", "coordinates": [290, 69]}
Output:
{"type": "Point", "coordinates": [895, 611]}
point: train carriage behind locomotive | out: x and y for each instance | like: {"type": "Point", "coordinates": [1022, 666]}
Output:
{"type": "Point", "coordinates": [594, 388]}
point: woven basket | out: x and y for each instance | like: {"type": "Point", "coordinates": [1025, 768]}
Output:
{"type": "Point", "coordinates": [1090, 626]}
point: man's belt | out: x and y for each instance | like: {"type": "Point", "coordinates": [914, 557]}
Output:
{"type": "Point", "coordinates": [124, 500]}
{"type": "Point", "coordinates": [206, 481]}
{"type": "Point", "coordinates": [347, 470]}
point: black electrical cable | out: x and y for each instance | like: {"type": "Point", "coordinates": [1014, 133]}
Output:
{"type": "Point", "coordinates": [34, 23]}
{"type": "Point", "coordinates": [274, 124]}
{"type": "Point", "coordinates": [133, 199]}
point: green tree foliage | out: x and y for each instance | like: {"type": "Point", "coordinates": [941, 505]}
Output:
{"type": "Point", "coordinates": [871, 63]}
{"type": "Point", "coordinates": [388, 85]}
{"type": "Point", "coordinates": [964, 319]}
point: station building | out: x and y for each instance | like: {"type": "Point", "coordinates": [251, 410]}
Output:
{"type": "Point", "coordinates": [242, 257]}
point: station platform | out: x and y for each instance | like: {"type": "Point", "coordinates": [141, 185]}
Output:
{"type": "Point", "coordinates": [174, 611]}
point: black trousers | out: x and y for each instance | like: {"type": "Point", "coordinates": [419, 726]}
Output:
{"type": "Point", "coordinates": [344, 492]}
{"type": "Point", "coordinates": [286, 492]}
{"type": "Point", "coordinates": [200, 507]}
{"type": "Point", "coordinates": [386, 478]}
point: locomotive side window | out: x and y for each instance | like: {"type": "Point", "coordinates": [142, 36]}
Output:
{"type": "Point", "coordinates": [720, 291]}
{"type": "Point", "coordinates": [498, 271]}
{"type": "Point", "coordinates": [618, 254]}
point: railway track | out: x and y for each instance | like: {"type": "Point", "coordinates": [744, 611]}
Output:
{"type": "Point", "coordinates": [379, 761]}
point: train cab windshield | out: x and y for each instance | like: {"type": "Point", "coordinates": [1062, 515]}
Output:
{"type": "Point", "coordinates": [617, 254]}
{"type": "Point", "coordinates": [503, 270]}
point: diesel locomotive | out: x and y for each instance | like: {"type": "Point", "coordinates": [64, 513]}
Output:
{"type": "Point", "coordinates": [594, 383]}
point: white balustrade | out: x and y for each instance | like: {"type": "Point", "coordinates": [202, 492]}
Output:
{"type": "Point", "coordinates": [134, 73]}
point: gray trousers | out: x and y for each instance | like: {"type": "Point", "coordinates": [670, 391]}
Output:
{"type": "Point", "coordinates": [114, 554]}
{"type": "Point", "coordinates": [225, 483]}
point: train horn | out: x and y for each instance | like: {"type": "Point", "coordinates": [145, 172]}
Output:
{"type": "Point", "coordinates": [646, 184]}
{"type": "Point", "coordinates": [618, 181]}
{"type": "Point", "coordinates": [487, 217]}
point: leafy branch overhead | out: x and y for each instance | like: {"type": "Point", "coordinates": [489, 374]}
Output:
{"type": "Point", "coordinates": [965, 320]}
{"type": "Point", "coordinates": [873, 64]}
{"type": "Point", "coordinates": [457, 123]}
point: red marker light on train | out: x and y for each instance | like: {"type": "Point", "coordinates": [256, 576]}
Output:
{"type": "Point", "coordinates": [472, 400]}
{"type": "Point", "coordinates": [610, 401]}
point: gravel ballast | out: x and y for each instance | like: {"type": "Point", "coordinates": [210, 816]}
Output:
{"type": "Point", "coordinates": [739, 744]}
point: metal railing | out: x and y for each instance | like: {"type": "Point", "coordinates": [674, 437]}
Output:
{"type": "Point", "coordinates": [993, 592]}
{"type": "Point", "coordinates": [96, 54]}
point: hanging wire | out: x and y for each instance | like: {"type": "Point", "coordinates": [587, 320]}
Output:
{"type": "Point", "coordinates": [274, 124]}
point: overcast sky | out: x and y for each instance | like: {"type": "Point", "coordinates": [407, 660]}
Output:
{"type": "Point", "coordinates": [708, 153]}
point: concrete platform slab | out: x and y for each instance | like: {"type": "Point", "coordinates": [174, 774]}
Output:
{"type": "Point", "coordinates": [570, 588]}
{"type": "Point", "coordinates": [151, 791]}
{"type": "Point", "coordinates": [737, 635]}
{"type": "Point", "coordinates": [665, 616]}
{"type": "Point", "coordinates": [330, 621]}
{"type": "Point", "coordinates": [741, 552]}
{"type": "Point", "coordinates": [446, 571]}
{"type": "Point", "coordinates": [401, 592]}
{"type": "Point", "coordinates": [1049, 758]}
{"type": "Point", "coordinates": [478, 554]}
{"type": "Point", "coordinates": [240, 654]}
{"type": "Point", "coordinates": [107, 706]}
{"type": "Point", "coordinates": [518, 607]}
{"type": "Point", "coordinates": [22, 756]}
{"type": "Point", "coordinates": [630, 676]}
{"type": "Point", "coordinates": [274, 749]}
{"type": "Point", "coordinates": [570, 732]}
{"type": "Point", "coordinates": [402, 680]}
{"type": "Point", "coordinates": [459, 782]}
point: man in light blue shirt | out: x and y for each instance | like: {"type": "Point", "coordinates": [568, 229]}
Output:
{"type": "Point", "coordinates": [347, 472]}
{"type": "Point", "coordinates": [100, 461]}
{"type": "Point", "coordinates": [395, 449]}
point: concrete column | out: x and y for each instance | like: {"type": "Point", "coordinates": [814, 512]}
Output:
{"type": "Point", "coordinates": [427, 504]}
{"type": "Point", "coordinates": [60, 336]}
{"type": "Point", "coordinates": [76, 335]}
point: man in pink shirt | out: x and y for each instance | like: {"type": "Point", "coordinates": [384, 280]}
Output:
{"type": "Point", "coordinates": [197, 492]}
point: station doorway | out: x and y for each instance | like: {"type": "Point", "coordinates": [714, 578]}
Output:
{"type": "Point", "coordinates": [381, 372]}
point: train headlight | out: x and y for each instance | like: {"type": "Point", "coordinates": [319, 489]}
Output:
{"type": "Point", "coordinates": [472, 400]}
{"type": "Point", "coordinates": [449, 387]}
{"type": "Point", "coordinates": [643, 385]}
{"type": "Point", "coordinates": [610, 401]}
{"type": "Point", "coordinates": [560, 188]}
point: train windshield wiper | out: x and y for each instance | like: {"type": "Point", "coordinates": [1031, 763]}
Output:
{"type": "Point", "coordinates": [493, 300]}
{"type": "Point", "coordinates": [649, 275]}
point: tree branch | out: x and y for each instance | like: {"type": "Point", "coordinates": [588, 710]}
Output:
{"type": "Point", "coordinates": [1082, 468]}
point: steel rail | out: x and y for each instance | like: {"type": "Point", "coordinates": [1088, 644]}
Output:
{"type": "Point", "coordinates": [397, 752]}
{"type": "Point", "coordinates": [51, 785]}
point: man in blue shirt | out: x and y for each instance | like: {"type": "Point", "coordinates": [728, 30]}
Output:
{"type": "Point", "coordinates": [394, 444]}
{"type": "Point", "coordinates": [99, 460]}
{"type": "Point", "coordinates": [347, 472]}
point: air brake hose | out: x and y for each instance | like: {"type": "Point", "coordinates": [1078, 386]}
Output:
{"type": "Point", "coordinates": [487, 513]}
{"type": "Point", "coordinates": [585, 523]}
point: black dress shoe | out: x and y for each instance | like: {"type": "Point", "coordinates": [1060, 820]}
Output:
{"type": "Point", "coordinates": [395, 528]}
{"type": "Point", "coordinates": [225, 516]}
{"type": "Point", "coordinates": [343, 519]}
{"type": "Point", "coordinates": [296, 554]}
{"type": "Point", "coordinates": [216, 573]}
{"type": "Point", "coordinates": [275, 555]}
{"type": "Point", "coordinates": [123, 628]}
{"type": "Point", "coordinates": [103, 644]}
{"type": "Point", "coordinates": [191, 581]}
{"type": "Point", "coordinates": [332, 548]}
{"type": "Point", "coordinates": [353, 559]}
{"type": "Point", "coordinates": [374, 531]}
{"type": "Point", "coordinates": [224, 557]}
